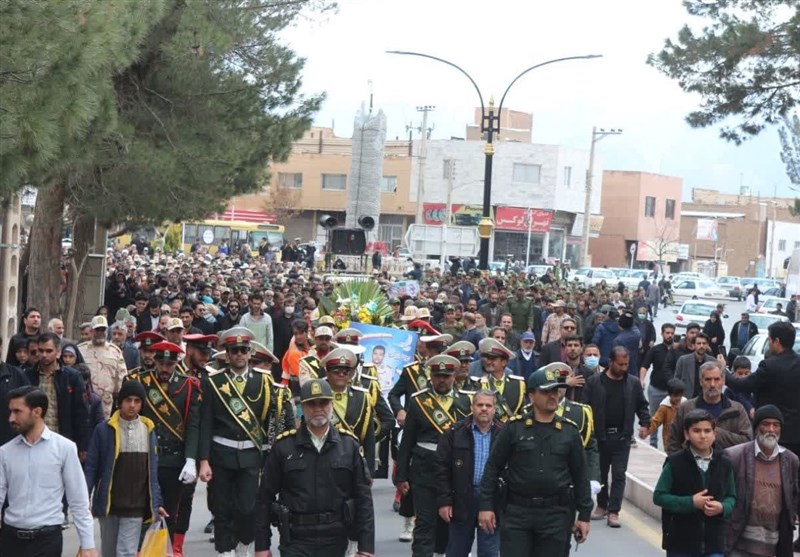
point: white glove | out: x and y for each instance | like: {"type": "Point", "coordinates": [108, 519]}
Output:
{"type": "Point", "coordinates": [595, 486]}
{"type": "Point", "coordinates": [189, 473]}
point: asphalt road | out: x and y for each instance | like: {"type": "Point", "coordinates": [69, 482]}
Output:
{"type": "Point", "coordinates": [640, 535]}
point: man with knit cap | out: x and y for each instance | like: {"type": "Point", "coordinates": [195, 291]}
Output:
{"type": "Point", "coordinates": [173, 404]}
{"type": "Point", "coordinates": [766, 491]}
{"type": "Point", "coordinates": [122, 473]}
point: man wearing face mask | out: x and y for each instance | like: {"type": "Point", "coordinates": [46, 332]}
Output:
{"type": "Point", "coordinates": [282, 318]}
{"type": "Point", "coordinates": [763, 517]}
{"type": "Point", "coordinates": [591, 358]}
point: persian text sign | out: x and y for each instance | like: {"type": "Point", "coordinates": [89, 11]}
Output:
{"type": "Point", "coordinates": [516, 219]}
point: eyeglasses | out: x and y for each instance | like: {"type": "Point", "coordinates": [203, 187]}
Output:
{"type": "Point", "coordinates": [569, 328]}
{"type": "Point", "coordinates": [239, 350]}
{"type": "Point", "coordinates": [339, 371]}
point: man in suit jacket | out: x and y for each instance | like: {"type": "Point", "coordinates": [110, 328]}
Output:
{"type": "Point", "coordinates": [688, 367]}
{"type": "Point", "coordinates": [555, 351]}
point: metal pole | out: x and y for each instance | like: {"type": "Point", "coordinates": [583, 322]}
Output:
{"type": "Point", "coordinates": [530, 226]}
{"type": "Point", "coordinates": [450, 166]}
{"type": "Point", "coordinates": [587, 204]}
{"type": "Point", "coordinates": [423, 155]}
{"type": "Point", "coordinates": [488, 152]}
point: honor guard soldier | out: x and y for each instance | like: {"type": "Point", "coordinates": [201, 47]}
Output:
{"type": "Point", "coordinates": [242, 412]}
{"type": "Point", "coordinates": [365, 373]}
{"type": "Point", "coordinates": [322, 486]}
{"type": "Point", "coordinates": [413, 377]}
{"type": "Point", "coordinates": [462, 351]}
{"type": "Point", "coordinates": [147, 356]}
{"type": "Point", "coordinates": [431, 412]}
{"type": "Point", "coordinates": [309, 365]}
{"type": "Point", "coordinates": [173, 404]}
{"type": "Point", "coordinates": [542, 460]}
{"type": "Point", "coordinates": [198, 351]}
{"type": "Point", "coordinates": [352, 407]}
{"type": "Point", "coordinates": [510, 389]}
{"type": "Point", "coordinates": [261, 357]}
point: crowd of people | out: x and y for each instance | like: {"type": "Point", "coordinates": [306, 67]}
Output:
{"type": "Point", "coordinates": [523, 402]}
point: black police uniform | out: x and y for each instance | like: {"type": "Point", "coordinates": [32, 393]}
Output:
{"type": "Point", "coordinates": [546, 473]}
{"type": "Point", "coordinates": [236, 456]}
{"type": "Point", "coordinates": [426, 421]}
{"type": "Point", "coordinates": [174, 408]}
{"type": "Point", "coordinates": [324, 495]}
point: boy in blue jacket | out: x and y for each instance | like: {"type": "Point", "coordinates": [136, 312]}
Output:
{"type": "Point", "coordinates": [122, 474]}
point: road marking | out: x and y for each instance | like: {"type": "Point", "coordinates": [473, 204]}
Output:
{"type": "Point", "coordinates": [641, 525]}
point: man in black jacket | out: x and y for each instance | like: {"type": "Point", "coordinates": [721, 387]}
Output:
{"type": "Point", "coordinates": [615, 397]}
{"type": "Point", "coordinates": [556, 351]}
{"type": "Point", "coordinates": [65, 392]}
{"type": "Point", "coordinates": [742, 331]}
{"type": "Point", "coordinates": [11, 377]}
{"type": "Point", "coordinates": [460, 458]}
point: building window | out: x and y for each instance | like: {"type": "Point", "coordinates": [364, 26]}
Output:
{"type": "Point", "coordinates": [669, 210]}
{"type": "Point", "coordinates": [796, 245]}
{"type": "Point", "coordinates": [292, 180]}
{"type": "Point", "coordinates": [781, 245]}
{"type": "Point", "coordinates": [334, 182]}
{"type": "Point", "coordinates": [649, 206]}
{"type": "Point", "coordinates": [388, 184]}
{"type": "Point", "coordinates": [568, 176]}
{"type": "Point", "coordinates": [526, 173]}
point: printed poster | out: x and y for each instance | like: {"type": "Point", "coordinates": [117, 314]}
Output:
{"type": "Point", "coordinates": [389, 349]}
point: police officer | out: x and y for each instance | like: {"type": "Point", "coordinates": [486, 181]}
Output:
{"type": "Point", "coordinates": [546, 475]}
{"type": "Point", "coordinates": [173, 404]}
{"type": "Point", "coordinates": [243, 410]}
{"type": "Point", "coordinates": [431, 412]}
{"type": "Point", "coordinates": [198, 351]}
{"type": "Point", "coordinates": [322, 485]}
{"type": "Point", "coordinates": [510, 389]}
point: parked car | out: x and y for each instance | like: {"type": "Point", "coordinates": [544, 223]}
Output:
{"type": "Point", "coordinates": [595, 276]}
{"type": "Point", "coordinates": [695, 289]}
{"type": "Point", "coordinates": [768, 304]}
{"type": "Point", "coordinates": [756, 348]}
{"type": "Point", "coordinates": [632, 277]}
{"type": "Point", "coordinates": [538, 270]}
{"type": "Point", "coordinates": [764, 320]}
{"type": "Point", "coordinates": [733, 285]}
{"type": "Point", "coordinates": [764, 284]}
{"type": "Point", "coordinates": [579, 274]}
{"type": "Point", "coordinates": [696, 311]}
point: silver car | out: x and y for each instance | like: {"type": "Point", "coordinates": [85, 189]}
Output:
{"type": "Point", "coordinates": [756, 349]}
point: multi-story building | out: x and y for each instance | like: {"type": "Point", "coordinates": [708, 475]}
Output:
{"type": "Point", "coordinates": [738, 235]}
{"type": "Point", "coordinates": [641, 220]}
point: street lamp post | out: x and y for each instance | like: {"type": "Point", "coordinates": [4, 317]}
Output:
{"type": "Point", "coordinates": [490, 126]}
{"type": "Point", "coordinates": [597, 135]}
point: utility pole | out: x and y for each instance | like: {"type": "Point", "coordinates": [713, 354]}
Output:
{"type": "Point", "coordinates": [423, 154]}
{"type": "Point", "coordinates": [597, 135]}
{"type": "Point", "coordinates": [451, 168]}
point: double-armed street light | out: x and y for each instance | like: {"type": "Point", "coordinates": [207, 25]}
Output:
{"type": "Point", "coordinates": [490, 125]}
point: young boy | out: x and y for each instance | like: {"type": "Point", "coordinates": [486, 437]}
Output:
{"type": "Point", "coordinates": [696, 492]}
{"type": "Point", "coordinates": [122, 471]}
{"type": "Point", "coordinates": [667, 410]}
{"type": "Point", "coordinates": [741, 368]}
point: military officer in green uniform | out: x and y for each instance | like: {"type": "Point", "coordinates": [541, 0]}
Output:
{"type": "Point", "coordinates": [542, 458]}
{"type": "Point", "coordinates": [147, 357]}
{"type": "Point", "coordinates": [322, 486]}
{"type": "Point", "coordinates": [509, 389]}
{"type": "Point", "coordinates": [173, 404]}
{"type": "Point", "coordinates": [198, 350]}
{"type": "Point", "coordinates": [352, 407]}
{"type": "Point", "coordinates": [462, 351]}
{"type": "Point", "coordinates": [431, 412]}
{"type": "Point", "coordinates": [243, 410]}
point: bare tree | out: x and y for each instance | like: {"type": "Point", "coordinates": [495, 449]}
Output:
{"type": "Point", "coordinates": [283, 202]}
{"type": "Point", "coordinates": [665, 240]}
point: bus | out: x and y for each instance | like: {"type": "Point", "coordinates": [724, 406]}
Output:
{"type": "Point", "coordinates": [211, 232]}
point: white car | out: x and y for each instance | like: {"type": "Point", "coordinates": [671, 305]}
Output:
{"type": "Point", "coordinates": [694, 311]}
{"type": "Point", "coordinates": [632, 277]}
{"type": "Point", "coordinates": [762, 283]}
{"type": "Point", "coordinates": [768, 304]}
{"type": "Point", "coordinates": [756, 348]}
{"type": "Point", "coordinates": [538, 270]}
{"type": "Point", "coordinates": [595, 276]}
{"type": "Point", "coordinates": [579, 274]}
{"type": "Point", "coordinates": [764, 320]}
{"type": "Point", "coordinates": [695, 288]}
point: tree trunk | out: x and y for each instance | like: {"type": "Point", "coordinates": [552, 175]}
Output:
{"type": "Point", "coordinates": [82, 241]}
{"type": "Point", "coordinates": [44, 272]}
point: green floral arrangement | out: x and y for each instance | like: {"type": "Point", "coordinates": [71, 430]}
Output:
{"type": "Point", "coordinates": [358, 301]}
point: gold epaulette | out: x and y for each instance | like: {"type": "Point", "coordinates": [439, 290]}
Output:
{"type": "Point", "coordinates": [343, 431]}
{"type": "Point", "coordinates": [514, 418]}
{"type": "Point", "coordinates": [286, 434]}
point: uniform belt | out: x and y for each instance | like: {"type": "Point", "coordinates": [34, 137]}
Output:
{"type": "Point", "coordinates": [232, 443]}
{"type": "Point", "coordinates": [535, 501]}
{"type": "Point", "coordinates": [426, 446]}
{"type": "Point", "coordinates": [613, 430]}
{"type": "Point", "coordinates": [316, 519]}
{"type": "Point", "coordinates": [32, 534]}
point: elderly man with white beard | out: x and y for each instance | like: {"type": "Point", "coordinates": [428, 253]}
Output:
{"type": "Point", "coordinates": [766, 491]}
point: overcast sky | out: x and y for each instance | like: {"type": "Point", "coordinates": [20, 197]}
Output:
{"type": "Point", "coordinates": [495, 40]}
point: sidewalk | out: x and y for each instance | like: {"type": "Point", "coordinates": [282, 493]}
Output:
{"type": "Point", "coordinates": [644, 468]}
